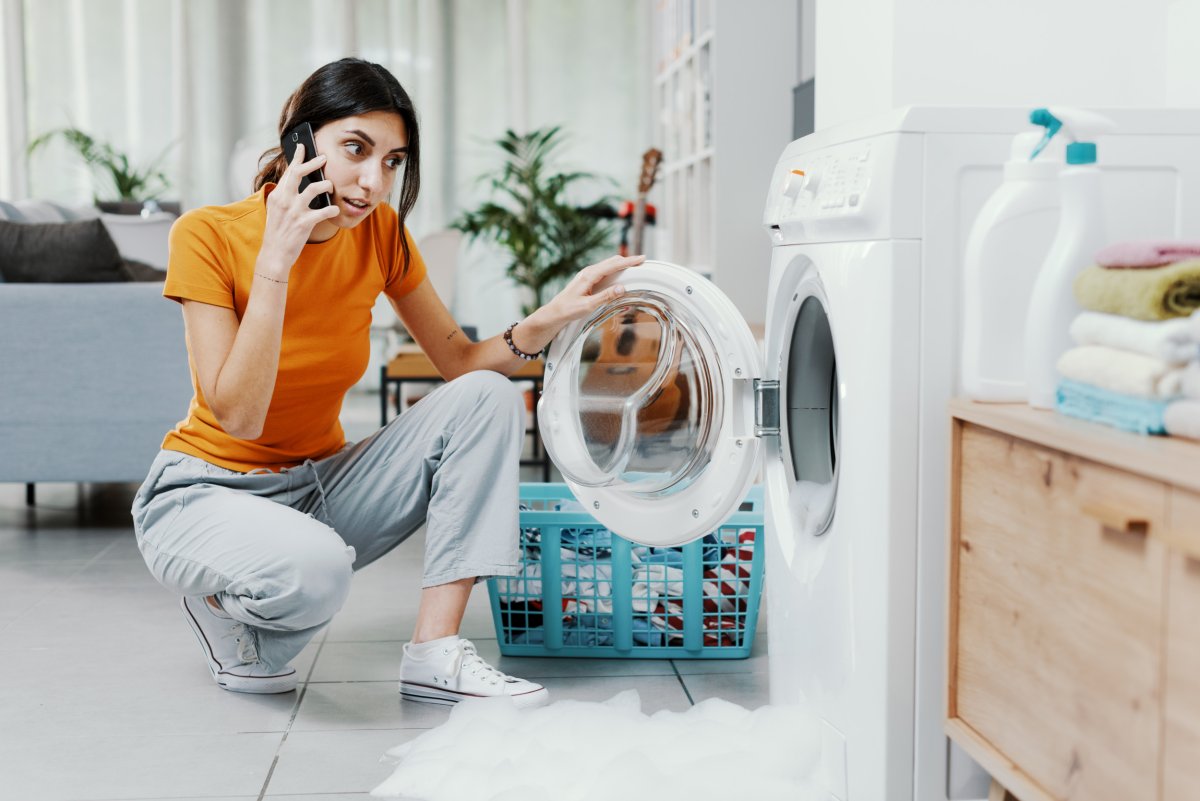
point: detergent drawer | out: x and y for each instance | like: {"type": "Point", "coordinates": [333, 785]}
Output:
{"type": "Point", "coordinates": [1057, 604]}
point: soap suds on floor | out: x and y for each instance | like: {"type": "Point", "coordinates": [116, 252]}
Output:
{"type": "Point", "coordinates": [489, 750]}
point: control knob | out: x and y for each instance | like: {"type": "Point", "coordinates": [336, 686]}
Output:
{"type": "Point", "coordinates": [793, 183]}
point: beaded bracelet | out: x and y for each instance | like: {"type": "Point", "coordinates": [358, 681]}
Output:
{"type": "Point", "coordinates": [517, 351]}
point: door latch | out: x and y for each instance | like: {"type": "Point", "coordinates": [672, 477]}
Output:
{"type": "Point", "coordinates": [766, 408]}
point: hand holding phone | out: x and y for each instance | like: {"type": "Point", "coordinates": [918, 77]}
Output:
{"type": "Point", "coordinates": [302, 134]}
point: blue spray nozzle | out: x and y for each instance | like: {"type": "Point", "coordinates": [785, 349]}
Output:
{"type": "Point", "coordinates": [1052, 124]}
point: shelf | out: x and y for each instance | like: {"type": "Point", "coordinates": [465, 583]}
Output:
{"type": "Point", "coordinates": [669, 167]}
{"type": "Point", "coordinates": [1168, 459]}
{"type": "Point", "coordinates": [743, 110]}
{"type": "Point", "coordinates": [687, 55]}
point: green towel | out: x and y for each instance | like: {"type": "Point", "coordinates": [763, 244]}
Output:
{"type": "Point", "coordinates": [1149, 294]}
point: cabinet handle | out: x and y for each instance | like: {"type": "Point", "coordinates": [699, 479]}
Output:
{"type": "Point", "coordinates": [1117, 520]}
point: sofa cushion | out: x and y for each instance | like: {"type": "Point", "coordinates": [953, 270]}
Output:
{"type": "Point", "coordinates": [10, 212]}
{"type": "Point", "coordinates": [135, 270]}
{"type": "Point", "coordinates": [73, 213]}
{"type": "Point", "coordinates": [41, 211]}
{"type": "Point", "coordinates": [67, 252]}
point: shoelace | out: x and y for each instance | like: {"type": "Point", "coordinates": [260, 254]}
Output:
{"type": "Point", "coordinates": [247, 651]}
{"type": "Point", "coordinates": [247, 647]}
{"type": "Point", "coordinates": [466, 657]}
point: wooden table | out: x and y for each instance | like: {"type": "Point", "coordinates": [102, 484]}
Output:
{"type": "Point", "coordinates": [411, 364]}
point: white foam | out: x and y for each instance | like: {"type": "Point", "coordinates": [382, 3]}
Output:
{"type": "Point", "coordinates": [583, 751]}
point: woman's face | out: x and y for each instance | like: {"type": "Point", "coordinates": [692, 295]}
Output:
{"type": "Point", "coordinates": [365, 155]}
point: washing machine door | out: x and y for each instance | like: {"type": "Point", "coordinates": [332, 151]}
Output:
{"type": "Point", "coordinates": [648, 406]}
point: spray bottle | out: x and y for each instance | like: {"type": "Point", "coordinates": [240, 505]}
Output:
{"type": "Point", "coordinates": [1005, 249]}
{"type": "Point", "coordinates": [1081, 232]}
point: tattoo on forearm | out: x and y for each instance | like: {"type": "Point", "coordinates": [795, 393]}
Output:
{"type": "Point", "coordinates": [452, 334]}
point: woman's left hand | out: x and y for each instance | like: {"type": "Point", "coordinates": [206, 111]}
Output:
{"type": "Point", "coordinates": [579, 298]}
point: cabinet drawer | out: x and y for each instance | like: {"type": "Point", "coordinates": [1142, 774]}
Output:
{"type": "Point", "coordinates": [1058, 617]}
{"type": "Point", "coordinates": [1181, 740]}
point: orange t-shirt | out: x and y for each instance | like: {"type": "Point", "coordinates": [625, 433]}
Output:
{"type": "Point", "coordinates": [326, 326]}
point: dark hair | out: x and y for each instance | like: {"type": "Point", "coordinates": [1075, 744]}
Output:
{"type": "Point", "coordinates": [346, 88]}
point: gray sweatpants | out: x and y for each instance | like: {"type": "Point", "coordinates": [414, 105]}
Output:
{"type": "Point", "coordinates": [278, 549]}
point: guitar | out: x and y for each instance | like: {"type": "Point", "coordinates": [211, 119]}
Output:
{"type": "Point", "coordinates": [651, 160]}
{"type": "Point", "coordinates": [622, 354]}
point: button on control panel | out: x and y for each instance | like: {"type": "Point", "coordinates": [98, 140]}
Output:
{"type": "Point", "coordinates": [827, 184]}
{"type": "Point", "coordinates": [793, 183]}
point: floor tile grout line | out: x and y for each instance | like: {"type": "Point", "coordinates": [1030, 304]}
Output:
{"type": "Point", "coordinates": [368, 728]}
{"type": "Point", "coordinates": [682, 683]}
{"type": "Point", "coordinates": [68, 580]}
{"type": "Point", "coordinates": [270, 772]}
{"type": "Point", "coordinates": [159, 798]}
{"type": "Point", "coordinates": [96, 558]}
{"type": "Point", "coordinates": [295, 712]}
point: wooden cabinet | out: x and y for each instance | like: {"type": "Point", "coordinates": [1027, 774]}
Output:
{"type": "Point", "coordinates": [1074, 607]}
{"type": "Point", "coordinates": [1181, 729]}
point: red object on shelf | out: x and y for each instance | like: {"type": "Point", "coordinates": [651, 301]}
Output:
{"type": "Point", "coordinates": [626, 213]}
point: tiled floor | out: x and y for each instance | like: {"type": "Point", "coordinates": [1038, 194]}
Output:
{"type": "Point", "coordinates": [104, 693]}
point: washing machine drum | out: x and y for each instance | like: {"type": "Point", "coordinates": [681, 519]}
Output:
{"type": "Point", "coordinates": [647, 407]}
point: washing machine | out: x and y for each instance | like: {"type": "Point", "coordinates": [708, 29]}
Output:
{"type": "Point", "coordinates": [661, 408]}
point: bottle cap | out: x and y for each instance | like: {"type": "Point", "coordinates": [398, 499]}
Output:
{"type": "Point", "coordinates": [1081, 153]}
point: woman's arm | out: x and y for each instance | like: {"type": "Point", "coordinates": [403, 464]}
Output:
{"type": "Point", "coordinates": [236, 363]}
{"type": "Point", "coordinates": [430, 323]}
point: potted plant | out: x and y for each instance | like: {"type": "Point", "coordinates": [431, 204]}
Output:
{"type": "Point", "coordinates": [548, 237]}
{"type": "Point", "coordinates": [134, 186]}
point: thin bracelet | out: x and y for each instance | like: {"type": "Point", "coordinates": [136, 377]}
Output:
{"type": "Point", "coordinates": [269, 278]}
{"type": "Point", "coordinates": [517, 351]}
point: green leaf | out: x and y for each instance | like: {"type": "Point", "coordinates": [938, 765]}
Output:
{"type": "Point", "coordinates": [110, 165]}
{"type": "Point", "coordinates": [546, 237]}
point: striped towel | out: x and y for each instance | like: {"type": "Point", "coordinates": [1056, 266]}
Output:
{"type": "Point", "coordinates": [1139, 415]}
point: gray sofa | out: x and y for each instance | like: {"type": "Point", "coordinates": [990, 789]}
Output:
{"type": "Point", "coordinates": [91, 377]}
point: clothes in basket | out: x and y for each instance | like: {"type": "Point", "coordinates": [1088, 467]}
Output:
{"type": "Point", "coordinates": [657, 594]}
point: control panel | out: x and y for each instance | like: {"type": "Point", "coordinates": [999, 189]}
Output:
{"type": "Point", "coordinates": [841, 191]}
{"type": "Point", "coordinates": [826, 184]}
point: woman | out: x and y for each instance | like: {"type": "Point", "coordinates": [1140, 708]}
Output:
{"type": "Point", "coordinates": [256, 511]}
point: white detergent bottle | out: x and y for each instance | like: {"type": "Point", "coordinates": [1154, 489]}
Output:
{"type": "Point", "coordinates": [1004, 254]}
{"type": "Point", "coordinates": [1080, 234]}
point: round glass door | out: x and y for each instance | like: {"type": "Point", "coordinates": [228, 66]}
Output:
{"type": "Point", "coordinates": [648, 406]}
{"type": "Point", "coordinates": [636, 400]}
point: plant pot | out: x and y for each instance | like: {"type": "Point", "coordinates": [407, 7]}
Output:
{"type": "Point", "coordinates": [135, 206]}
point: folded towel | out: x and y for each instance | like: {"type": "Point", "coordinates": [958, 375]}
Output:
{"type": "Point", "coordinates": [1182, 419]}
{"type": "Point", "coordinates": [1155, 294]}
{"type": "Point", "coordinates": [1121, 371]}
{"type": "Point", "coordinates": [1110, 408]}
{"type": "Point", "coordinates": [1146, 254]}
{"type": "Point", "coordinates": [1189, 381]}
{"type": "Point", "coordinates": [1169, 340]}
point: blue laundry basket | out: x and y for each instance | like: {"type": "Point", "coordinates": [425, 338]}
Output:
{"type": "Point", "coordinates": [618, 599]}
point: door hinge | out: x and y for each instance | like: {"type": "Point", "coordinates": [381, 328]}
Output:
{"type": "Point", "coordinates": [766, 408]}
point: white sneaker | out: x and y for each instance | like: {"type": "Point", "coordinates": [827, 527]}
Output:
{"type": "Point", "coordinates": [232, 655]}
{"type": "Point", "coordinates": [453, 671]}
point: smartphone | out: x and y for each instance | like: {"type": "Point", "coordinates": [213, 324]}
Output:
{"type": "Point", "coordinates": [302, 134]}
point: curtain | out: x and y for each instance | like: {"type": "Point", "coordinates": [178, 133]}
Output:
{"type": "Point", "coordinates": [204, 81]}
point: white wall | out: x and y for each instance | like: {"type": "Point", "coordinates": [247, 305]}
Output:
{"type": "Point", "coordinates": [875, 55]}
{"type": "Point", "coordinates": [1183, 53]}
{"type": "Point", "coordinates": [853, 59]}
{"type": "Point", "coordinates": [13, 178]}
